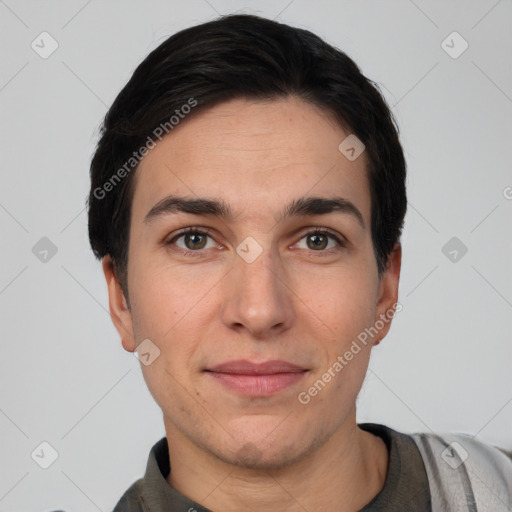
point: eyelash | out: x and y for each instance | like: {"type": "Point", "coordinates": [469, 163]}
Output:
{"type": "Point", "coordinates": [207, 232]}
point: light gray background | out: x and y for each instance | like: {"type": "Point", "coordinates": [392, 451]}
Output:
{"type": "Point", "coordinates": [65, 379]}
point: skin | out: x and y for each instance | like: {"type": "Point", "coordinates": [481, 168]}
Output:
{"type": "Point", "coordinates": [298, 302]}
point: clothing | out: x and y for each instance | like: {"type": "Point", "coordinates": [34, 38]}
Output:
{"type": "Point", "coordinates": [426, 473]}
{"type": "Point", "coordinates": [466, 475]}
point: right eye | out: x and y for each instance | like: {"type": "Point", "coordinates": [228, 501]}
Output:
{"type": "Point", "coordinates": [192, 240]}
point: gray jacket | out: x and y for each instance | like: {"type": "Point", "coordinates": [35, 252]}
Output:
{"type": "Point", "coordinates": [466, 475]}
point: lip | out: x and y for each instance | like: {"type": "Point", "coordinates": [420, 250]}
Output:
{"type": "Point", "coordinates": [257, 379]}
{"type": "Point", "coordinates": [244, 367]}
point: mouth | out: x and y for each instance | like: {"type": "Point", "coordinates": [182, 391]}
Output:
{"type": "Point", "coordinates": [256, 379]}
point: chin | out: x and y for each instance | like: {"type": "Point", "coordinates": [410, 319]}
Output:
{"type": "Point", "coordinates": [252, 456]}
{"type": "Point", "coordinates": [265, 450]}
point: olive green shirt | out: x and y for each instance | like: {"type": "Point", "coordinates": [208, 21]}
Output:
{"type": "Point", "coordinates": [406, 487]}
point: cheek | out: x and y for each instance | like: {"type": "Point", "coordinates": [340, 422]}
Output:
{"type": "Point", "coordinates": [175, 310]}
{"type": "Point", "coordinates": [167, 296]}
{"type": "Point", "coordinates": [343, 300]}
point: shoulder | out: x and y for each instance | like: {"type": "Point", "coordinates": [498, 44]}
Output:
{"type": "Point", "coordinates": [457, 449]}
{"type": "Point", "coordinates": [157, 468]}
{"type": "Point", "coordinates": [131, 500]}
{"type": "Point", "coordinates": [459, 465]}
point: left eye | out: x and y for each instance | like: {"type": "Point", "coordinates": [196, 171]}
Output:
{"type": "Point", "coordinates": [319, 240]}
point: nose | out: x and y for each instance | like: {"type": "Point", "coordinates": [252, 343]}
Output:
{"type": "Point", "coordinates": [257, 298]}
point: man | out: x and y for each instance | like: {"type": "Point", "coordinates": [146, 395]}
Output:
{"type": "Point", "coordinates": [247, 200]}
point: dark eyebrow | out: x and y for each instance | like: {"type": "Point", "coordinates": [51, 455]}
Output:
{"type": "Point", "coordinates": [174, 204]}
{"type": "Point", "coordinates": [307, 206]}
{"type": "Point", "coordinates": [301, 207]}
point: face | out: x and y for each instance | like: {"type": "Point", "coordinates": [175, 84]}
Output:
{"type": "Point", "coordinates": [250, 290]}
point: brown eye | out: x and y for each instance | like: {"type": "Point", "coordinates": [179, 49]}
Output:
{"type": "Point", "coordinates": [194, 241]}
{"type": "Point", "coordinates": [317, 241]}
{"type": "Point", "coordinates": [320, 240]}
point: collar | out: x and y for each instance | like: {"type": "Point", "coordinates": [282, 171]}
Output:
{"type": "Point", "coordinates": [406, 486]}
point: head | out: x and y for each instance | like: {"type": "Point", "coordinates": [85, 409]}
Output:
{"type": "Point", "coordinates": [244, 131]}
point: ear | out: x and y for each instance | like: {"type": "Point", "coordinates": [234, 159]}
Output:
{"type": "Point", "coordinates": [119, 311]}
{"type": "Point", "coordinates": [387, 302]}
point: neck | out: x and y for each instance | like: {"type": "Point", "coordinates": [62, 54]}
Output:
{"type": "Point", "coordinates": [344, 474]}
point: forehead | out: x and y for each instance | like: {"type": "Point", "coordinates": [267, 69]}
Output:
{"type": "Point", "coordinates": [259, 153]}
